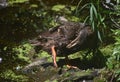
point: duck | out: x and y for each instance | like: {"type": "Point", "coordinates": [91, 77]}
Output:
{"type": "Point", "coordinates": [65, 39]}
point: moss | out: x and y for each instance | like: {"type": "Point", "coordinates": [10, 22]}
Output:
{"type": "Point", "coordinates": [9, 74]}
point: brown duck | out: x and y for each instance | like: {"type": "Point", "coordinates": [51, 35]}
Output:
{"type": "Point", "coordinates": [65, 39]}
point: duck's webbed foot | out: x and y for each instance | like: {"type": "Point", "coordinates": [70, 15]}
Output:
{"type": "Point", "coordinates": [72, 67]}
{"type": "Point", "coordinates": [68, 64]}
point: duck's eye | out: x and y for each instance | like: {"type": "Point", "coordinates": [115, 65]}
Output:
{"type": "Point", "coordinates": [39, 38]}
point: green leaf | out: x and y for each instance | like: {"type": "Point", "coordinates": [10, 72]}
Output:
{"type": "Point", "coordinates": [110, 66]}
{"type": "Point", "coordinates": [86, 19]}
{"type": "Point", "coordinates": [85, 6]}
{"type": "Point", "coordinates": [34, 5]}
{"type": "Point", "coordinates": [117, 71]}
{"type": "Point", "coordinates": [118, 79]}
{"type": "Point", "coordinates": [91, 14]}
{"type": "Point", "coordinates": [73, 8]}
{"type": "Point", "coordinates": [93, 25]}
{"type": "Point", "coordinates": [94, 10]}
{"type": "Point", "coordinates": [16, 1]}
{"type": "Point", "coordinates": [5, 48]}
{"type": "Point", "coordinates": [58, 7]}
{"type": "Point", "coordinates": [99, 36]}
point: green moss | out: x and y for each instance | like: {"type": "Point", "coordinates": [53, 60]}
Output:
{"type": "Point", "coordinates": [9, 74]}
{"type": "Point", "coordinates": [107, 50]}
{"type": "Point", "coordinates": [23, 52]}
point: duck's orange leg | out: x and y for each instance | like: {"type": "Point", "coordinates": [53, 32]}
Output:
{"type": "Point", "coordinates": [54, 56]}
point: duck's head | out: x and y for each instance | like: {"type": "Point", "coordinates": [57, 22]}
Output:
{"type": "Point", "coordinates": [38, 42]}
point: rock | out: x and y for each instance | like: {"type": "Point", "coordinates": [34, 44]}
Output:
{"type": "Point", "coordinates": [3, 4]}
{"type": "Point", "coordinates": [43, 70]}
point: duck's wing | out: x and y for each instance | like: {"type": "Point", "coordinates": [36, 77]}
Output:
{"type": "Point", "coordinates": [82, 36]}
